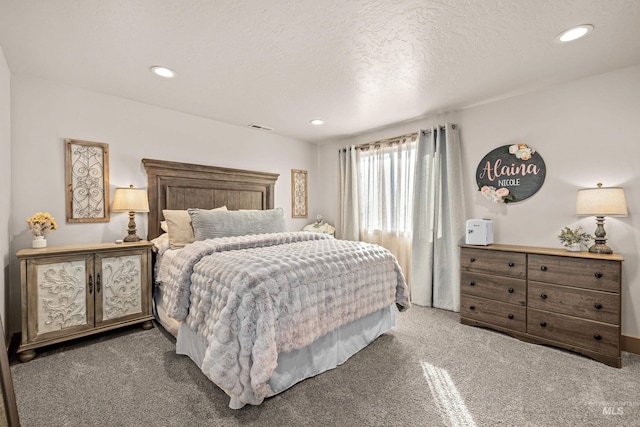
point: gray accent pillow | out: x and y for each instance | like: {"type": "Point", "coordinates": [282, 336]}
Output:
{"type": "Point", "coordinates": [212, 224]}
{"type": "Point", "coordinates": [179, 227]}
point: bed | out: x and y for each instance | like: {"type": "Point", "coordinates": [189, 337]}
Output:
{"type": "Point", "coordinates": [257, 307]}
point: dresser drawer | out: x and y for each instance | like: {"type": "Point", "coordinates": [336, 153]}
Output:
{"type": "Point", "coordinates": [494, 312]}
{"type": "Point", "coordinates": [500, 263]}
{"type": "Point", "coordinates": [586, 334]}
{"type": "Point", "coordinates": [505, 289]}
{"type": "Point", "coordinates": [587, 273]}
{"type": "Point", "coordinates": [584, 303]}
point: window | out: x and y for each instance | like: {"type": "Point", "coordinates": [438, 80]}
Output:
{"type": "Point", "coordinates": [386, 183]}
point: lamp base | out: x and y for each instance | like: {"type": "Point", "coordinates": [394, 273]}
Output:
{"type": "Point", "coordinates": [131, 229]}
{"type": "Point", "coordinates": [600, 245]}
{"type": "Point", "coordinates": [600, 248]}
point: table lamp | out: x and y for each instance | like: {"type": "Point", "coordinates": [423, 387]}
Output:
{"type": "Point", "coordinates": [130, 200]}
{"type": "Point", "coordinates": [601, 202]}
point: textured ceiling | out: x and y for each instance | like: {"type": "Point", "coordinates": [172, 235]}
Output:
{"type": "Point", "coordinates": [358, 64]}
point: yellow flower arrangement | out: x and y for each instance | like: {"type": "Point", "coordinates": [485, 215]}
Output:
{"type": "Point", "coordinates": [41, 224]}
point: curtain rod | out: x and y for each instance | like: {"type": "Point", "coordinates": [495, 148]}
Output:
{"type": "Point", "coordinates": [412, 135]}
{"type": "Point", "coordinates": [428, 131]}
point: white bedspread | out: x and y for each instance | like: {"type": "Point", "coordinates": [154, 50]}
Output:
{"type": "Point", "coordinates": [252, 297]}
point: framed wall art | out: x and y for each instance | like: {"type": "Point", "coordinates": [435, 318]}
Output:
{"type": "Point", "coordinates": [298, 193]}
{"type": "Point", "coordinates": [510, 173]}
{"type": "Point", "coordinates": [87, 181]}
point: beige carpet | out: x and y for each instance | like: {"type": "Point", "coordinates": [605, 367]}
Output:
{"type": "Point", "coordinates": [430, 371]}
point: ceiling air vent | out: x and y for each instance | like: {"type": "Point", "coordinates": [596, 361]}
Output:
{"type": "Point", "coordinates": [257, 126]}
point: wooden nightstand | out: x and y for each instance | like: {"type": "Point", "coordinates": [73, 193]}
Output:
{"type": "Point", "coordinates": [78, 290]}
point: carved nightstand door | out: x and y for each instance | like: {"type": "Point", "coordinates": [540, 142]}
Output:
{"type": "Point", "coordinates": [61, 296]}
{"type": "Point", "coordinates": [73, 291]}
{"type": "Point", "coordinates": [120, 290]}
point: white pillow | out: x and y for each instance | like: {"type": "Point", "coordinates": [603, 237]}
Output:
{"type": "Point", "coordinates": [179, 227]}
{"type": "Point", "coordinates": [161, 243]}
{"type": "Point", "coordinates": [213, 224]}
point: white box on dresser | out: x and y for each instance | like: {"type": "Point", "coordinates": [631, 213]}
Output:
{"type": "Point", "coordinates": [546, 296]}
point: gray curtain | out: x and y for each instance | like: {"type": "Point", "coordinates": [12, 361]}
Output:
{"type": "Point", "coordinates": [438, 219]}
{"type": "Point", "coordinates": [349, 197]}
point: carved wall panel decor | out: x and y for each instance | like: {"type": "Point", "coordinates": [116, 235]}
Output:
{"type": "Point", "coordinates": [299, 193]}
{"type": "Point", "coordinates": [87, 181]}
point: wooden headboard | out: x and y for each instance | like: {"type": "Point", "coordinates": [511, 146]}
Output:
{"type": "Point", "coordinates": [173, 185]}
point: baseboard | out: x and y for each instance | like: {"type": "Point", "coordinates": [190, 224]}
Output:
{"type": "Point", "coordinates": [627, 343]}
{"type": "Point", "coordinates": [630, 344]}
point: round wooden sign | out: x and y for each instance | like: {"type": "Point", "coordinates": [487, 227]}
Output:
{"type": "Point", "coordinates": [511, 173]}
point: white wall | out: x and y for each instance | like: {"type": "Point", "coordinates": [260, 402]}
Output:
{"type": "Point", "coordinates": [5, 181]}
{"type": "Point", "coordinates": [587, 131]}
{"type": "Point", "coordinates": [45, 113]}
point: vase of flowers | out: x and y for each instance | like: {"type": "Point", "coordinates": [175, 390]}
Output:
{"type": "Point", "coordinates": [40, 225]}
{"type": "Point", "coordinates": [573, 238]}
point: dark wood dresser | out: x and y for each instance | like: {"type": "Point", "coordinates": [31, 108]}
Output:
{"type": "Point", "coordinates": [545, 296]}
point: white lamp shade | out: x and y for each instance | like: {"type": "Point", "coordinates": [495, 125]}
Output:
{"type": "Point", "coordinates": [601, 201]}
{"type": "Point", "coordinates": [130, 200]}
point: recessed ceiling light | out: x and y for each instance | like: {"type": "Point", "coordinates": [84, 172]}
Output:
{"type": "Point", "coordinates": [317, 122]}
{"type": "Point", "coordinates": [574, 33]}
{"type": "Point", "coordinates": [163, 71]}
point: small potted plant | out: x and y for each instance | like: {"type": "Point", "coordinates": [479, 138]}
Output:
{"type": "Point", "coordinates": [40, 225]}
{"type": "Point", "coordinates": [573, 238]}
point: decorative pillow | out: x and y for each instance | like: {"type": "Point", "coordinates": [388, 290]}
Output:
{"type": "Point", "coordinates": [161, 243]}
{"type": "Point", "coordinates": [179, 227]}
{"type": "Point", "coordinates": [163, 226]}
{"type": "Point", "coordinates": [212, 224]}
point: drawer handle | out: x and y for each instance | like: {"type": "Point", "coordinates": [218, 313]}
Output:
{"type": "Point", "coordinates": [598, 306]}
{"type": "Point", "coordinates": [511, 264]}
{"type": "Point", "coordinates": [472, 307]}
{"type": "Point", "coordinates": [543, 296]}
{"type": "Point", "coordinates": [98, 283]}
{"type": "Point", "coordinates": [472, 283]}
{"type": "Point", "coordinates": [472, 260]}
{"type": "Point", "coordinates": [597, 337]}
{"type": "Point", "coordinates": [510, 316]}
{"type": "Point", "coordinates": [543, 268]}
{"type": "Point", "coordinates": [510, 290]}
{"type": "Point", "coordinates": [598, 275]}
{"type": "Point", "coordinates": [90, 284]}
{"type": "Point", "coordinates": [543, 324]}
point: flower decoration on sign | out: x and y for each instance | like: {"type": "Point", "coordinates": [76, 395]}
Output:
{"type": "Point", "coordinates": [521, 151]}
{"type": "Point", "coordinates": [500, 195]}
{"type": "Point", "coordinates": [41, 224]}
